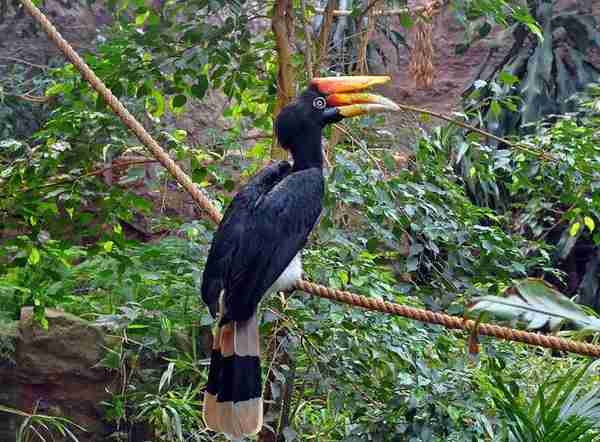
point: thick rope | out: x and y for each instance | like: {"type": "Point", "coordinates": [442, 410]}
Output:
{"type": "Point", "coordinates": [508, 334]}
{"type": "Point", "coordinates": [204, 202]}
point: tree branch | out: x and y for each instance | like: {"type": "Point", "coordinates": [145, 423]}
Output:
{"type": "Point", "coordinates": [28, 63]}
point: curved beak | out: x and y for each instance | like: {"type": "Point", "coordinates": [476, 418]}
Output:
{"type": "Point", "coordinates": [344, 93]}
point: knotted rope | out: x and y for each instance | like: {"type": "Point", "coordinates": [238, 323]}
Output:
{"type": "Point", "coordinates": [205, 204]}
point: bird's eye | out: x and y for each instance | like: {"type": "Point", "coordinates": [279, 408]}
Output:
{"type": "Point", "coordinates": [319, 103]}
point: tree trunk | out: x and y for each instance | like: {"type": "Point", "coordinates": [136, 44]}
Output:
{"type": "Point", "coordinates": [340, 30]}
{"type": "Point", "coordinates": [282, 25]}
{"type": "Point", "coordinates": [323, 43]}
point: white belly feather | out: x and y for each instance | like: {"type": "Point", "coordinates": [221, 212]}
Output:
{"type": "Point", "coordinates": [290, 275]}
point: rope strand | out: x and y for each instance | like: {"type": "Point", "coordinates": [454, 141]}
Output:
{"type": "Point", "coordinates": [205, 204]}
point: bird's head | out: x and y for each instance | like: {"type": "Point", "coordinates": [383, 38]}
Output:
{"type": "Point", "coordinates": [328, 100]}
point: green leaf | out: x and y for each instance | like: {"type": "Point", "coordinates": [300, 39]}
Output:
{"type": "Point", "coordinates": [589, 222]}
{"type": "Point", "coordinates": [258, 151]}
{"type": "Point", "coordinates": [574, 229]}
{"type": "Point", "coordinates": [155, 104]}
{"type": "Point", "coordinates": [179, 135]}
{"type": "Point", "coordinates": [538, 304]}
{"type": "Point", "coordinates": [179, 100]}
{"type": "Point", "coordinates": [344, 277]}
{"type": "Point", "coordinates": [140, 19]}
{"type": "Point", "coordinates": [34, 257]}
{"type": "Point", "coordinates": [199, 89]}
{"type": "Point", "coordinates": [229, 185]}
{"type": "Point", "coordinates": [484, 29]}
{"type": "Point", "coordinates": [108, 246]}
{"type": "Point", "coordinates": [55, 89]}
{"type": "Point", "coordinates": [153, 19]}
{"type": "Point", "coordinates": [535, 29]}
{"type": "Point", "coordinates": [495, 108]}
{"type": "Point", "coordinates": [405, 20]}
{"type": "Point", "coordinates": [508, 79]}
{"type": "Point", "coordinates": [165, 379]}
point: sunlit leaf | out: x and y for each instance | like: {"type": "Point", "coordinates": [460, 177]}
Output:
{"type": "Point", "coordinates": [34, 256]}
{"type": "Point", "coordinates": [589, 222]}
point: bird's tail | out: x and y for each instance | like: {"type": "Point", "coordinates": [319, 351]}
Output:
{"type": "Point", "coordinates": [232, 401]}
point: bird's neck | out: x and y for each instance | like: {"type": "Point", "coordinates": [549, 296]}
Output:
{"type": "Point", "coordinates": [308, 156]}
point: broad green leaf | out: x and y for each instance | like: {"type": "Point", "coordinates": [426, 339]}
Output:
{"type": "Point", "coordinates": [537, 304]}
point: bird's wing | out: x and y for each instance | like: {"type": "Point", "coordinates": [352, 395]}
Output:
{"type": "Point", "coordinates": [232, 230]}
{"type": "Point", "coordinates": [272, 235]}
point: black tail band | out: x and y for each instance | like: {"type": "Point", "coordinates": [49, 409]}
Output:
{"type": "Point", "coordinates": [241, 379]}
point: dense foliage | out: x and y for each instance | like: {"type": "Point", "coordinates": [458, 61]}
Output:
{"type": "Point", "coordinates": [467, 217]}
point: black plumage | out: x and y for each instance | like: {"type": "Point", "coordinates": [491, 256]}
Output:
{"type": "Point", "coordinates": [269, 220]}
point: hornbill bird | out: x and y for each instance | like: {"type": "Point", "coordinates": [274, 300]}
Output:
{"type": "Point", "coordinates": [256, 248]}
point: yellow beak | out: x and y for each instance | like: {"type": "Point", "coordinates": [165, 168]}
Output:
{"type": "Point", "coordinates": [344, 93]}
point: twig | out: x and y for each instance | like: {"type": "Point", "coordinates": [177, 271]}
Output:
{"type": "Point", "coordinates": [31, 98]}
{"type": "Point", "coordinates": [485, 133]}
{"type": "Point", "coordinates": [360, 144]}
{"type": "Point", "coordinates": [18, 60]}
